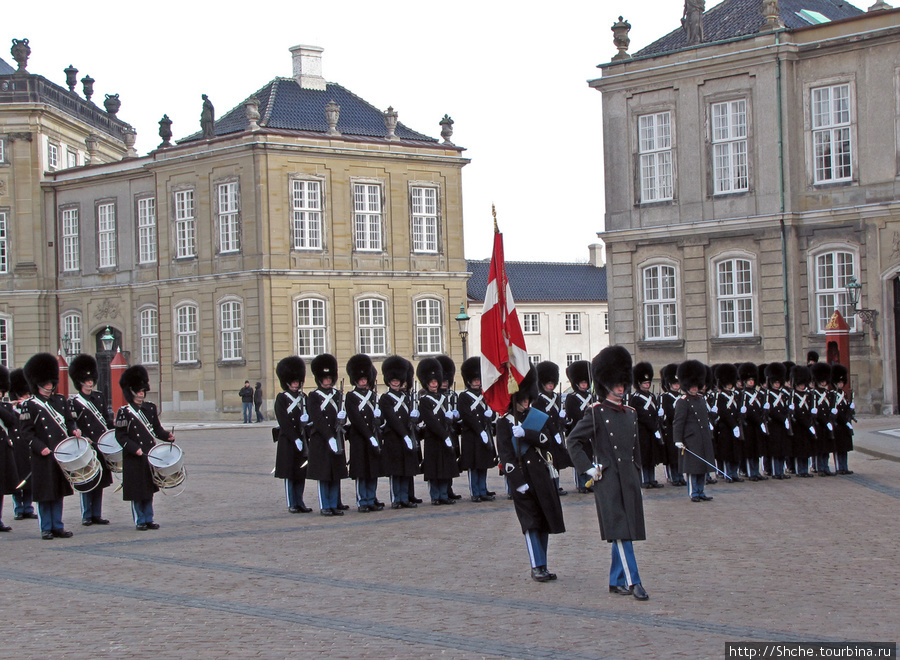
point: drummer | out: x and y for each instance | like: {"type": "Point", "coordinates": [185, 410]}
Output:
{"type": "Point", "coordinates": [88, 409]}
{"type": "Point", "coordinates": [137, 429]}
{"type": "Point", "coordinates": [44, 423]}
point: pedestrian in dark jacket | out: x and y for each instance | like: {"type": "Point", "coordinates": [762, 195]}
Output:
{"type": "Point", "coordinates": [257, 402]}
{"type": "Point", "coordinates": [246, 394]}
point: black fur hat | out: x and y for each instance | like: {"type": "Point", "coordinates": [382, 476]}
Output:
{"type": "Point", "coordinates": [775, 372]}
{"type": "Point", "coordinates": [547, 372]}
{"type": "Point", "coordinates": [839, 374]}
{"type": "Point", "coordinates": [821, 373]}
{"type": "Point", "coordinates": [410, 376]}
{"type": "Point", "coordinates": [800, 375]}
{"type": "Point", "coordinates": [134, 379]}
{"type": "Point", "coordinates": [393, 368]}
{"type": "Point", "coordinates": [359, 366]}
{"type": "Point", "coordinates": [788, 365]}
{"type": "Point", "coordinates": [324, 365]}
{"type": "Point", "coordinates": [812, 356]}
{"type": "Point", "coordinates": [747, 371]}
{"type": "Point", "coordinates": [290, 369]}
{"type": "Point", "coordinates": [761, 372]}
{"type": "Point", "coordinates": [691, 373]}
{"type": "Point", "coordinates": [18, 386]}
{"type": "Point", "coordinates": [578, 372]}
{"type": "Point", "coordinates": [428, 370]}
{"type": "Point", "coordinates": [40, 369]}
{"type": "Point", "coordinates": [470, 370]}
{"type": "Point", "coordinates": [448, 368]}
{"type": "Point", "coordinates": [528, 388]}
{"type": "Point", "coordinates": [726, 374]}
{"type": "Point", "coordinates": [4, 379]}
{"type": "Point", "coordinates": [611, 367]}
{"type": "Point", "coordinates": [82, 368]}
{"type": "Point", "coordinates": [643, 371]}
{"type": "Point", "coordinates": [668, 375]}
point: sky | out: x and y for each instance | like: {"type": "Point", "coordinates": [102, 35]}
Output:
{"type": "Point", "coordinates": [512, 76]}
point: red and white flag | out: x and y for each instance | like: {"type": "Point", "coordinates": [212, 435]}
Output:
{"type": "Point", "coordinates": [504, 360]}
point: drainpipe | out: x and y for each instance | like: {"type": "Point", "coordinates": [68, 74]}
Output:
{"type": "Point", "coordinates": [785, 294]}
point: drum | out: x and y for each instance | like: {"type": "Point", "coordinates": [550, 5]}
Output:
{"type": "Point", "coordinates": [111, 451]}
{"type": "Point", "coordinates": [167, 464]}
{"type": "Point", "coordinates": [79, 463]}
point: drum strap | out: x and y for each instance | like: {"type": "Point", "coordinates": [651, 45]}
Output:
{"type": "Point", "coordinates": [294, 402]}
{"type": "Point", "coordinates": [91, 408]}
{"type": "Point", "coordinates": [59, 419]}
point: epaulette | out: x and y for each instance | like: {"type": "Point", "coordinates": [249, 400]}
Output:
{"type": "Point", "coordinates": [628, 407]}
{"type": "Point", "coordinates": [74, 414]}
{"type": "Point", "coordinates": [121, 423]}
{"type": "Point", "coordinates": [595, 404]}
{"type": "Point", "coordinates": [25, 415]}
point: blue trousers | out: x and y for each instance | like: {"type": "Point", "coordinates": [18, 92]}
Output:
{"type": "Point", "coordinates": [477, 482]}
{"type": "Point", "coordinates": [401, 489]}
{"type": "Point", "coordinates": [753, 467]}
{"type": "Point", "coordinates": [648, 475]}
{"type": "Point", "coordinates": [248, 411]}
{"type": "Point", "coordinates": [841, 460]}
{"type": "Point", "coordinates": [92, 504]}
{"type": "Point", "coordinates": [696, 484]}
{"type": "Point", "coordinates": [142, 511]}
{"type": "Point", "coordinates": [624, 571]}
{"type": "Point", "coordinates": [801, 465]}
{"type": "Point", "coordinates": [537, 542]}
{"type": "Point", "coordinates": [329, 494]}
{"type": "Point", "coordinates": [777, 463]}
{"type": "Point", "coordinates": [50, 515]}
{"type": "Point", "coordinates": [822, 463]}
{"type": "Point", "coordinates": [293, 491]}
{"type": "Point", "coordinates": [22, 503]}
{"type": "Point", "coordinates": [438, 489]}
{"type": "Point", "coordinates": [365, 491]}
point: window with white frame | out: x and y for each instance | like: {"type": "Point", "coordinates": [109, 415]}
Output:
{"type": "Point", "coordinates": [832, 148]}
{"type": "Point", "coordinates": [307, 214]}
{"type": "Point", "coordinates": [186, 331]}
{"type": "Point", "coordinates": [729, 145]}
{"type": "Point", "coordinates": [606, 322]}
{"type": "Point", "coordinates": [310, 327]}
{"type": "Point", "coordinates": [106, 235]}
{"type": "Point", "coordinates": [734, 292]}
{"type": "Point", "coordinates": [833, 270]}
{"type": "Point", "coordinates": [229, 217]}
{"type": "Point", "coordinates": [660, 317]}
{"type": "Point", "coordinates": [428, 326]}
{"type": "Point", "coordinates": [534, 359]}
{"type": "Point", "coordinates": [52, 156]}
{"type": "Point", "coordinates": [655, 148]}
{"type": "Point", "coordinates": [185, 227]}
{"type": "Point", "coordinates": [147, 230]}
{"type": "Point", "coordinates": [5, 340]}
{"type": "Point", "coordinates": [149, 323]}
{"type": "Point", "coordinates": [4, 244]}
{"type": "Point", "coordinates": [2, 150]}
{"type": "Point", "coordinates": [572, 357]}
{"type": "Point", "coordinates": [70, 240]}
{"type": "Point", "coordinates": [71, 327]}
{"type": "Point", "coordinates": [424, 220]}
{"type": "Point", "coordinates": [573, 322]}
{"type": "Point", "coordinates": [231, 316]}
{"type": "Point", "coordinates": [372, 326]}
{"type": "Point", "coordinates": [367, 216]}
{"type": "Point", "coordinates": [531, 323]}
{"type": "Point", "coordinates": [71, 158]}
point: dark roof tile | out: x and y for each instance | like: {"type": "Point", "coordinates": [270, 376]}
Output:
{"type": "Point", "coordinates": [533, 281]}
{"type": "Point", "coordinates": [6, 69]}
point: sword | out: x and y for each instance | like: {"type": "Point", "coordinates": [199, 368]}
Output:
{"type": "Point", "coordinates": [22, 483]}
{"type": "Point", "coordinates": [685, 449]}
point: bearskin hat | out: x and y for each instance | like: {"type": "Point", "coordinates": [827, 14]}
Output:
{"type": "Point", "coordinates": [726, 374]}
{"type": "Point", "coordinates": [800, 375]}
{"type": "Point", "coordinates": [83, 368]}
{"type": "Point", "coordinates": [290, 369]}
{"type": "Point", "coordinates": [324, 365]}
{"type": "Point", "coordinates": [775, 372]}
{"type": "Point", "coordinates": [359, 366]}
{"type": "Point", "coordinates": [691, 373]}
{"type": "Point", "coordinates": [578, 372]}
{"type": "Point", "coordinates": [40, 369]}
{"type": "Point", "coordinates": [747, 371]}
{"type": "Point", "coordinates": [761, 372]}
{"type": "Point", "coordinates": [788, 365]}
{"type": "Point", "coordinates": [4, 379]}
{"type": "Point", "coordinates": [812, 356]}
{"type": "Point", "coordinates": [821, 372]}
{"type": "Point", "coordinates": [470, 370]}
{"type": "Point", "coordinates": [668, 375]}
{"type": "Point", "coordinates": [643, 371]}
{"type": "Point", "coordinates": [839, 374]}
{"type": "Point", "coordinates": [448, 368]}
{"type": "Point", "coordinates": [611, 367]}
{"type": "Point", "coordinates": [134, 379]}
{"type": "Point", "coordinates": [528, 388]}
{"type": "Point", "coordinates": [410, 376]}
{"type": "Point", "coordinates": [428, 370]}
{"type": "Point", "coordinates": [18, 386]}
{"type": "Point", "coordinates": [547, 372]}
{"type": "Point", "coordinates": [373, 377]}
{"type": "Point", "coordinates": [393, 368]}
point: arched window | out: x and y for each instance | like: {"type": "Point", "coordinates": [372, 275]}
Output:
{"type": "Point", "coordinates": [371, 321]}
{"type": "Point", "coordinates": [71, 327]}
{"type": "Point", "coordinates": [149, 323]}
{"type": "Point", "coordinates": [187, 332]}
{"type": "Point", "coordinates": [231, 316]}
{"type": "Point", "coordinates": [429, 326]}
{"type": "Point", "coordinates": [310, 327]}
{"type": "Point", "coordinates": [833, 269]}
{"type": "Point", "coordinates": [734, 297]}
{"type": "Point", "coordinates": [660, 308]}
{"type": "Point", "coordinates": [5, 340]}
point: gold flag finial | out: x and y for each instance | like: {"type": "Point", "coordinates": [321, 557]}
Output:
{"type": "Point", "coordinates": [494, 213]}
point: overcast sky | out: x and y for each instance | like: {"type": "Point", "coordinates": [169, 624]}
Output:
{"type": "Point", "coordinates": [511, 75]}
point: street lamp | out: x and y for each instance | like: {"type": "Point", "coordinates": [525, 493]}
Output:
{"type": "Point", "coordinates": [868, 316]}
{"type": "Point", "coordinates": [107, 339]}
{"type": "Point", "coordinates": [67, 345]}
{"type": "Point", "coordinates": [462, 322]}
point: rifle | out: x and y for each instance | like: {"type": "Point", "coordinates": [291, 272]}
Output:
{"type": "Point", "coordinates": [339, 425]}
{"type": "Point", "coordinates": [377, 421]}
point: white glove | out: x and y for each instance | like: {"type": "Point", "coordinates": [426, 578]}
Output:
{"type": "Point", "coordinates": [766, 406]}
{"type": "Point", "coordinates": [558, 438]}
{"type": "Point", "coordinates": [787, 423]}
{"type": "Point", "coordinates": [852, 406]}
{"type": "Point", "coordinates": [812, 430]}
{"type": "Point", "coordinates": [737, 431]}
{"type": "Point", "coordinates": [453, 414]}
{"type": "Point", "coordinates": [408, 441]}
{"type": "Point", "coordinates": [660, 413]}
{"type": "Point", "coordinates": [484, 437]}
{"type": "Point", "coordinates": [377, 413]}
{"type": "Point", "coordinates": [448, 442]}
{"type": "Point", "coordinates": [830, 427]}
{"type": "Point", "coordinates": [814, 411]}
{"type": "Point", "coordinates": [658, 435]}
{"type": "Point", "coordinates": [342, 415]}
{"type": "Point", "coordinates": [488, 413]}
{"type": "Point", "coordinates": [763, 427]}
{"type": "Point", "coordinates": [562, 414]}
{"type": "Point", "coordinates": [743, 410]}
{"type": "Point", "coordinates": [304, 418]}
{"type": "Point", "coordinates": [791, 407]}
{"type": "Point", "coordinates": [518, 431]}
{"type": "Point", "coordinates": [594, 473]}
{"type": "Point", "coordinates": [522, 488]}
{"type": "Point", "coordinates": [414, 414]}
{"type": "Point", "coordinates": [834, 411]}
{"type": "Point", "coordinates": [849, 426]}
{"type": "Point", "coordinates": [332, 443]}
{"type": "Point", "coordinates": [680, 445]}
{"type": "Point", "coordinates": [373, 441]}
{"type": "Point", "coordinates": [714, 409]}
{"type": "Point", "coordinates": [299, 443]}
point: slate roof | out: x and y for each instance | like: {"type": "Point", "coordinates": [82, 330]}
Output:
{"type": "Point", "coordinates": [284, 105]}
{"type": "Point", "coordinates": [534, 281]}
{"type": "Point", "coordinates": [737, 18]}
{"type": "Point", "coordinates": [6, 69]}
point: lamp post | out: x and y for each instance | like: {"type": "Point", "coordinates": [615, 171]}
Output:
{"type": "Point", "coordinates": [462, 322]}
{"type": "Point", "coordinates": [868, 316]}
{"type": "Point", "coordinates": [67, 345]}
{"type": "Point", "coordinates": [107, 341]}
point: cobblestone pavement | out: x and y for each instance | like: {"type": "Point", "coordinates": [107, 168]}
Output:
{"type": "Point", "coordinates": [232, 574]}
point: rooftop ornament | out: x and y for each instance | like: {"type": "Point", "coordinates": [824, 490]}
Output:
{"type": "Point", "coordinates": [88, 84]}
{"type": "Point", "coordinates": [112, 104]}
{"type": "Point", "coordinates": [692, 21]}
{"type": "Point", "coordinates": [208, 119]}
{"type": "Point", "coordinates": [390, 122]}
{"type": "Point", "coordinates": [332, 115]}
{"type": "Point", "coordinates": [446, 125]}
{"type": "Point", "coordinates": [620, 30]}
{"type": "Point", "coordinates": [772, 14]}
{"type": "Point", "coordinates": [71, 77]}
{"type": "Point", "coordinates": [251, 111]}
{"type": "Point", "coordinates": [20, 51]}
{"type": "Point", "coordinates": [165, 132]}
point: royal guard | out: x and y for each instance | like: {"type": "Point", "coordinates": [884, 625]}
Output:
{"type": "Point", "coordinates": [439, 465]}
{"type": "Point", "coordinates": [755, 429]}
{"type": "Point", "coordinates": [292, 453]}
{"type": "Point", "coordinates": [327, 450]}
{"type": "Point", "coordinates": [9, 475]}
{"type": "Point", "coordinates": [448, 389]}
{"type": "Point", "coordinates": [729, 422]}
{"type": "Point", "coordinates": [845, 415]}
{"type": "Point", "coordinates": [550, 403]}
{"type": "Point", "coordinates": [415, 422]}
{"type": "Point", "coordinates": [824, 414]}
{"type": "Point", "coordinates": [579, 375]}
{"type": "Point", "coordinates": [364, 430]}
{"type": "Point", "coordinates": [650, 436]}
{"type": "Point", "coordinates": [691, 429]}
{"type": "Point", "coordinates": [478, 453]}
{"type": "Point", "coordinates": [399, 449]}
{"type": "Point", "coordinates": [671, 390]}
{"type": "Point", "coordinates": [18, 395]}
{"type": "Point", "coordinates": [803, 442]}
{"type": "Point", "coordinates": [779, 425]}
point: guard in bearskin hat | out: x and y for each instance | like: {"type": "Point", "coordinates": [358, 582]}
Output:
{"type": "Point", "coordinates": [9, 475]}
{"type": "Point", "coordinates": [327, 454]}
{"type": "Point", "coordinates": [671, 390]}
{"type": "Point", "coordinates": [45, 422]}
{"type": "Point", "coordinates": [412, 392]}
{"type": "Point", "coordinates": [18, 394]}
{"type": "Point", "coordinates": [292, 452]}
{"type": "Point", "coordinates": [610, 428]}
{"type": "Point", "coordinates": [399, 450]}
{"type": "Point", "coordinates": [579, 375]}
{"type": "Point", "coordinates": [729, 422]}
{"type": "Point", "coordinates": [439, 466]}
{"type": "Point", "coordinates": [550, 403]}
{"type": "Point", "coordinates": [753, 402]}
{"type": "Point", "coordinates": [523, 450]}
{"type": "Point", "coordinates": [137, 430]}
{"type": "Point", "coordinates": [451, 406]}
{"type": "Point", "coordinates": [691, 429]}
{"type": "Point", "coordinates": [650, 436]}
{"type": "Point", "coordinates": [844, 417]}
{"type": "Point", "coordinates": [94, 419]}
{"type": "Point", "coordinates": [364, 432]}
{"type": "Point", "coordinates": [478, 454]}
{"type": "Point", "coordinates": [824, 413]}
{"type": "Point", "coordinates": [778, 425]}
{"type": "Point", "coordinates": [804, 440]}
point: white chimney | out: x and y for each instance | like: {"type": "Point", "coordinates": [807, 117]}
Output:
{"type": "Point", "coordinates": [597, 254]}
{"type": "Point", "coordinates": [308, 66]}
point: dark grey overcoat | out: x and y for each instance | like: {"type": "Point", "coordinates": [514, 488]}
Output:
{"type": "Point", "coordinates": [691, 426]}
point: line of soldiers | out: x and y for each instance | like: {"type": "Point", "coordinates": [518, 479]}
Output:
{"type": "Point", "coordinates": [35, 421]}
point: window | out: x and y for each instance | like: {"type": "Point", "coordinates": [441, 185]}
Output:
{"type": "Point", "coordinates": [367, 218]}
{"type": "Point", "coordinates": [307, 222]}
{"type": "Point", "coordinates": [4, 341]}
{"type": "Point", "coordinates": [833, 271]}
{"type": "Point", "coordinates": [185, 229]}
{"type": "Point", "coordinates": [4, 244]}
{"type": "Point", "coordinates": [573, 322]}
{"type": "Point", "coordinates": [71, 252]}
{"type": "Point", "coordinates": [572, 357]}
{"type": "Point", "coordinates": [428, 326]}
{"type": "Point", "coordinates": [534, 359]}
{"type": "Point", "coordinates": [424, 220]}
{"type": "Point", "coordinates": [660, 320]}
{"type": "Point", "coordinates": [831, 133]}
{"type": "Point", "coordinates": [52, 156]}
{"type": "Point", "coordinates": [372, 330]}
{"type": "Point", "coordinates": [147, 230]}
{"type": "Point", "coordinates": [729, 140]}
{"type": "Point", "coordinates": [655, 146]}
{"type": "Point", "coordinates": [310, 327]}
{"type": "Point", "coordinates": [229, 225]}
{"type": "Point", "coordinates": [2, 150]}
{"type": "Point", "coordinates": [106, 235]}
{"type": "Point", "coordinates": [734, 289]}
{"type": "Point", "coordinates": [232, 330]}
{"type": "Point", "coordinates": [71, 326]}
{"type": "Point", "coordinates": [71, 158]}
{"type": "Point", "coordinates": [149, 336]}
{"type": "Point", "coordinates": [606, 322]}
{"type": "Point", "coordinates": [531, 324]}
{"type": "Point", "coordinates": [186, 331]}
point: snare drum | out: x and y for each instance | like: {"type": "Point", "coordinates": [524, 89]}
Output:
{"type": "Point", "coordinates": [167, 464]}
{"type": "Point", "coordinates": [79, 463]}
{"type": "Point", "coordinates": [111, 450]}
